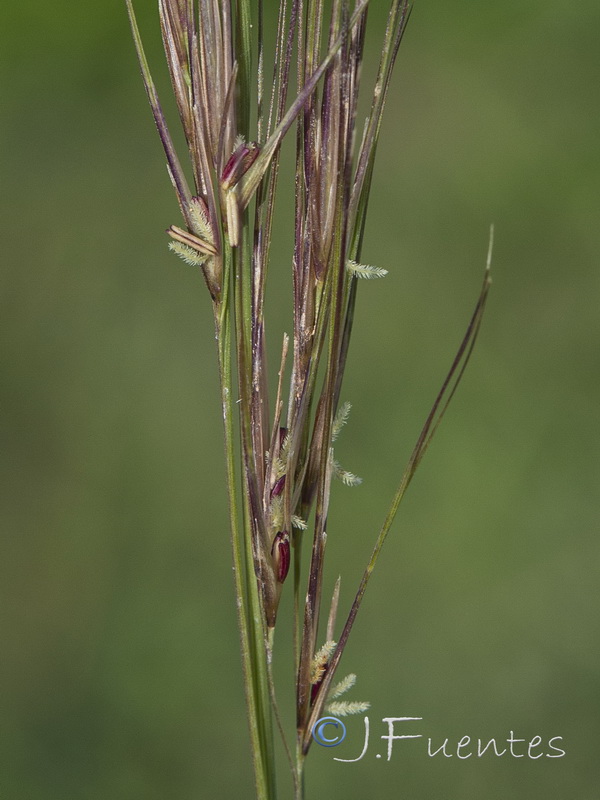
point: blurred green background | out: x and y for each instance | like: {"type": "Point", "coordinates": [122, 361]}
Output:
{"type": "Point", "coordinates": [120, 672]}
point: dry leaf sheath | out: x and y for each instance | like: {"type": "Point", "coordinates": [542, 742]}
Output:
{"type": "Point", "coordinates": [235, 111]}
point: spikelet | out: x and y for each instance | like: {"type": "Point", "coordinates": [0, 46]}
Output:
{"type": "Point", "coordinates": [347, 478]}
{"type": "Point", "coordinates": [280, 551]}
{"type": "Point", "coordinates": [365, 271]}
{"type": "Point", "coordinates": [321, 660]}
{"type": "Point", "coordinates": [341, 418]}
{"type": "Point", "coordinates": [345, 707]}
{"type": "Point", "coordinates": [188, 254]}
{"type": "Point", "coordinates": [278, 487]}
{"type": "Point", "coordinates": [342, 687]}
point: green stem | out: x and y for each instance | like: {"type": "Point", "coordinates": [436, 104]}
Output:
{"type": "Point", "coordinates": [275, 707]}
{"type": "Point", "coordinates": [248, 612]}
{"type": "Point", "coordinates": [299, 785]}
{"type": "Point", "coordinates": [258, 645]}
{"type": "Point", "coordinates": [297, 546]}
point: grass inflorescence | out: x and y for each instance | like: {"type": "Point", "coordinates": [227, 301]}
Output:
{"type": "Point", "coordinates": [235, 111]}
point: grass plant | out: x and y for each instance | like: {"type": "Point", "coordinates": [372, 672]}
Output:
{"type": "Point", "coordinates": [235, 110]}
